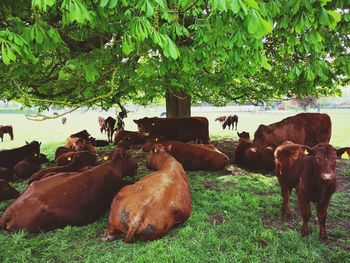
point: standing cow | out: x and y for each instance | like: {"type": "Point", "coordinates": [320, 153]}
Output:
{"type": "Point", "coordinates": [6, 129]}
{"type": "Point", "coordinates": [230, 120]}
{"type": "Point", "coordinates": [110, 124]}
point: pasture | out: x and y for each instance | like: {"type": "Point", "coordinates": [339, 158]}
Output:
{"type": "Point", "coordinates": [236, 214]}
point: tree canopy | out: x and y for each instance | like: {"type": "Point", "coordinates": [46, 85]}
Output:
{"type": "Point", "coordinates": [101, 52]}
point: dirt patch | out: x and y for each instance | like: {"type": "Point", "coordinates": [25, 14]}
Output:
{"type": "Point", "coordinates": [217, 219]}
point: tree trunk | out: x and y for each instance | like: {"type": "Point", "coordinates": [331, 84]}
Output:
{"type": "Point", "coordinates": [178, 104]}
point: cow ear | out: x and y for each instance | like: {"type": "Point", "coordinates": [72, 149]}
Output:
{"type": "Point", "coordinates": [27, 142]}
{"type": "Point", "coordinates": [169, 148]}
{"type": "Point", "coordinates": [155, 148]}
{"type": "Point", "coordinates": [239, 134]}
{"type": "Point", "coordinates": [137, 121]}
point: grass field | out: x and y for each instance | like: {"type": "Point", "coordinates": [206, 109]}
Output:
{"type": "Point", "coordinates": [236, 214]}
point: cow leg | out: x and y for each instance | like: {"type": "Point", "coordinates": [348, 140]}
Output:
{"type": "Point", "coordinates": [321, 216]}
{"type": "Point", "coordinates": [305, 212]}
{"type": "Point", "coordinates": [112, 234]}
{"type": "Point", "coordinates": [286, 191]}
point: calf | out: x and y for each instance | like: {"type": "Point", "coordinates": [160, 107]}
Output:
{"type": "Point", "coordinates": [110, 124]}
{"type": "Point", "coordinates": [230, 120]}
{"type": "Point", "coordinates": [194, 157]}
{"type": "Point", "coordinates": [152, 206]}
{"type": "Point", "coordinates": [313, 176]}
{"type": "Point", "coordinates": [27, 167]}
{"type": "Point", "coordinates": [6, 129]}
{"type": "Point", "coordinates": [68, 199]}
{"type": "Point", "coordinates": [9, 158]}
{"type": "Point", "coordinates": [102, 123]}
{"type": "Point", "coordinates": [220, 119]}
{"type": "Point", "coordinates": [7, 192]}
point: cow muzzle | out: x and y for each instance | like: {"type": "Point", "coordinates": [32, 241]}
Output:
{"type": "Point", "coordinates": [328, 176]}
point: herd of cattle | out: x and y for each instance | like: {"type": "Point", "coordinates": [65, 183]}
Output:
{"type": "Point", "coordinates": [80, 188]}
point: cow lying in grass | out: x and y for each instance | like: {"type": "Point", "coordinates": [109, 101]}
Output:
{"type": "Point", "coordinates": [312, 174]}
{"type": "Point", "coordinates": [7, 192]}
{"type": "Point", "coordinates": [152, 206]}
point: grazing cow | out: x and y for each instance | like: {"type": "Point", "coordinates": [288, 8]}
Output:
{"type": "Point", "coordinates": [27, 167]}
{"type": "Point", "coordinates": [7, 192]}
{"type": "Point", "coordinates": [68, 198]}
{"type": "Point", "coordinates": [64, 120]}
{"type": "Point", "coordinates": [152, 206]}
{"type": "Point", "coordinates": [110, 124]}
{"type": "Point", "coordinates": [194, 157]}
{"type": "Point", "coordinates": [6, 129]}
{"type": "Point", "coordinates": [345, 151]}
{"type": "Point", "coordinates": [9, 158]}
{"type": "Point", "coordinates": [179, 129]}
{"type": "Point", "coordinates": [129, 136]}
{"type": "Point", "coordinates": [244, 135]}
{"type": "Point", "coordinates": [98, 143]}
{"type": "Point", "coordinates": [87, 157]}
{"type": "Point", "coordinates": [253, 159]}
{"type": "Point", "coordinates": [230, 120]}
{"type": "Point", "coordinates": [102, 123]}
{"type": "Point", "coordinates": [220, 119]}
{"type": "Point", "coordinates": [304, 128]}
{"type": "Point", "coordinates": [6, 174]}
{"type": "Point", "coordinates": [79, 160]}
{"type": "Point", "coordinates": [312, 173]}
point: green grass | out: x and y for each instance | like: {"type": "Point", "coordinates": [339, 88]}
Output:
{"type": "Point", "coordinates": [236, 215]}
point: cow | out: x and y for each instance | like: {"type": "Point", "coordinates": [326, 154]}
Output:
{"type": "Point", "coordinates": [254, 159]}
{"type": "Point", "coordinates": [7, 192]}
{"type": "Point", "coordinates": [68, 199]}
{"type": "Point", "coordinates": [194, 157]}
{"type": "Point", "coordinates": [9, 158]}
{"type": "Point", "coordinates": [244, 135]}
{"type": "Point", "coordinates": [98, 143]}
{"type": "Point", "coordinates": [120, 122]}
{"type": "Point", "coordinates": [87, 157]}
{"type": "Point", "coordinates": [79, 160]}
{"type": "Point", "coordinates": [61, 150]}
{"type": "Point", "coordinates": [220, 119]}
{"type": "Point", "coordinates": [150, 207]}
{"type": "Point", "coordinates": [180, 129]}
{"type": "Point", "coordinates": [64, 120]}
{"type": "Point", "coordinates": [6, 129]}
{"type": "Point", "coordinates": [304, 128]}
{"type": "Point", "coordinates": [344, 151]}
{"type": "Point", "coordinates": [230, 120]}
{"type": "Point", "coordinates": [82, 134]}
{"type": "Point", "coordinates": [79, 144]}
{"type": "Point", "coordinates": [131, 137]}
{"type": "Point", "coordinates": [26, 168]}
{"type": "Point", "coordinates": [102, 123]}
{"type": "Point", "coordinates": [312, 172]}
{"type": "Point", "coordinates": [110, 124]}
{"type": "Point", "coordinates": [6, 174]}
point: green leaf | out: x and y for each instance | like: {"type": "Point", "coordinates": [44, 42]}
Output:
{"type": "Point", "coordinates": [222, 5]}
{"type": "Point", "coordinates": [10, 54]}
{"type": "Point", "coordinates": [324, 18]}
{"type": "Point", "coordinates": [267, 25]}
{"type": "Point", "coordinates": [234, 6]}
{"type": "Point", "coordinates": [103, 3]}
{"type": "Point", "coordinates": [173, 51]}
{"type": "Point", "coordinates": [253, 4]}
{"type": "Point", "coordinates": [160, 3]}
{"type": "Point", "coordinates": [265, 63]}
{"type": "Point", "coordinates": [4, 56]}
{"type": "Point", "coordinates": [112, 3]}
{"type": "Point", "coordinates": [253, 23]}
{"type": "Point", "coordinates": [149, 9]}
{"type": "Point", "coordinates": [334, 18]}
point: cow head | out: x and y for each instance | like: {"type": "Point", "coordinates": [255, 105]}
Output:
{"type": "Point", "coordinates": [263, 137]}
{"type": "Point", "coordinates": [324, 158]}
{"type": "Point", "coordinates": [145, 125]}
{"type": "Point", "coordinates": [153, 160]}
{"type": "Point", "coordinates": [129, 167]}
{"type": "Point", "coordinates": [244, 135]}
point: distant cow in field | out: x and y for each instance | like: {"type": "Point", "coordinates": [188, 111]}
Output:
{"type": "Point", "coordinates": [7, 192]}
{"type": "Point", "coordinates": [193, 156]}
{"type": "Point", "coordinates": [9, 158]}
{"type": "Point", "coordinates": [244, 135]}
{"type": "Point", "coordinates": [110, 124]}
{"type": "Point", "coordinates": [179, 129]}
{"type": "Point", "coordinates": [64, 120]}
{"type": "Point", "coordinates": [220, 119]}
{"type": "Point", "coordinates": [304, 128]}
{"type": "Point", "coordinates": [6, 129]}
{"type": "Point", "coordinates": [55, 113]}
{"type": "Point", "coordinates": [152, 206]}
{"type": "Point", "coordinates": [230, 120]}
{"type": "Point", "coordinates": [27, 167]}
{"type": "Point", "coordinates": [102, 123]}
{"type": "Point", "coordinates": [68, 199]}
{"type": "Point", "coordinates": [312, 172]}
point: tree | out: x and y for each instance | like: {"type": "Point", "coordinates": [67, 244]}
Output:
{"type": "Point", "coordinates": [100, 52]}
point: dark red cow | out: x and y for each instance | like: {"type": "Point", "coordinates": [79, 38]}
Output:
{"type": "Point", "coordinates": [220, 118]}
{"type": "Point", "coordinates": [304, 128]}
{"type": "Point", "coordinates": [179, 129]}
{"type": "Point", "coordinates": [7, 192]}
{"type": "Point", "coordinates": [152, 206]}
{"type": "Point", "coordinates": [254, 159]}
{"type": "Point", "coordinates": [110, 124]}
{"type": "Point", "coordinates": [68, 199]}
{"type": "Point", "coordinates": [312, 174]}
{"type": "Point", "coordinates": [9, 158]}
{"type": "Point", "coordinates": [131, 137]}
{"type": "Point", "coordinates": [87, 157]}
{"type": "Point", "coordinates": [27, 167]}
{"type": "Point", "coordinates": [98, 143]}
{"type": "Point", "coordinates": [194, 157]}
{"type": "Point", "coordinates": [244, 135]}
{"type": "Point", "coordinates": [102, 123]}
{"type": "Point", "coordinates": [6, 129]}
{"type": "Point", "coordinates": [230, 120]}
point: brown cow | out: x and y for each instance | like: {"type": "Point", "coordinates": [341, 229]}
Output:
{"type": "Point", "coordinates": [254, 159]}
{"type": "Point", "coordinates": [131, 137]}
{"type": "Point", "coordinates": [79, 144]}
{"type": "Point", "coordinates": [313, 176]}
{"type": "Point", "coordinates": [7, 192]}
{"type": "Point", "coordinates": [80, 160]}
{"type": "Point", "coordinates": [304, 128]}
{"type": "Point", "coordinates": [87, 158]}
{"type": "Point", "coordinates": [179, 129]}
{"type": "Point", "coordinates": [152, 206]}
{"type": "Point", "coordinates": [220, 119]}
{"type": "Point", "coordinates": [102, 123]}
{"type": "Point", "coordinates": [230, 120]}
{"type": "Point", "coordinates": [244, 135]}
{"type": "Point", "coordinates": [6, 129]}
{"type": "Point", "coordinates": [68, 199]}
{"type": "Point", "coordinates": [194, 157]}
{"type": "Point", "coordinates": [27, 167]}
